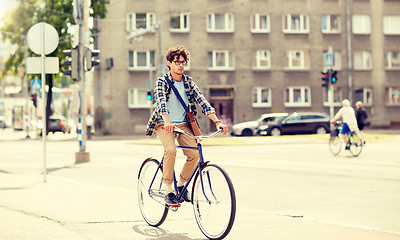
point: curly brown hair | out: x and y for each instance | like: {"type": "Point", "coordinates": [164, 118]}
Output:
{"type": "Point", "coordinates": [177, 51]}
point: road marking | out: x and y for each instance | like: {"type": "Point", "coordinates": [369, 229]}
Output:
{"type": "Point", "coordinates": [318, 220]}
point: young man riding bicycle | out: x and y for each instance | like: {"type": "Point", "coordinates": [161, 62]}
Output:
{"type": "Point", "coordinates": [169, 113]}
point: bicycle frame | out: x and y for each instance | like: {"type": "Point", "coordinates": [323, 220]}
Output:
{"type": "Point", "coordinates": [200, 165]}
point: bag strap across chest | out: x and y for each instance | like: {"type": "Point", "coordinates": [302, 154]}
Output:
{"type": "Point", "coordinates": [192, 119]}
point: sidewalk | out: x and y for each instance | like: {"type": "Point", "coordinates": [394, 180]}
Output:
{"type": "Point", "coordinates": [9, 134]}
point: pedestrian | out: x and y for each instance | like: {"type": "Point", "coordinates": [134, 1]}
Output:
{"type": "Point", "coordinates": [348, 116]}
{"type": "Point", "coordinates": [169, 113]}
{"type": "Point", "coordinates": [361, 116]}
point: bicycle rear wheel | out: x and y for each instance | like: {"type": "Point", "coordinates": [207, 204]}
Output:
{"type": "Point", "coordinates": [151, 202]}
{"type": "Point", "coordinates": [215, 207]}
{"type": "Point", "coordinates": [335, 145]}
{"type": "Point", "coordinates": [355, 145]}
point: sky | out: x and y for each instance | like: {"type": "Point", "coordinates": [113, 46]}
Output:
{"type": "Point", "coordinates": [4, 6]}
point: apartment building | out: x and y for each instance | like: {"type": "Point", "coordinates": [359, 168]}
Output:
{"type": "Point", "coordinates": [251, 56]}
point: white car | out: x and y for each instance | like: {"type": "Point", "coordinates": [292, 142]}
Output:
{"type": "Point", "coordinates": [249, 128]}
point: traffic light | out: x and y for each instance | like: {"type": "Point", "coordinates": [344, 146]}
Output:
{"type": "Point", "coordinates": [149, 97]}
{"type": "Point", "coordinates": [90, 62]}
{"type": "Point", "coordinates": [333, 76]}
{"type": "Point", "coordinates": [325, 79]}
{"type": "Point", "coordinates": [34, 99]}
{"type": "Point", "coordinates": [72, 61]}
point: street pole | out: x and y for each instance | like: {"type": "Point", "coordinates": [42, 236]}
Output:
{"type": "Point", "coordinates": [134, 35]}
{"type": "Point", "coordinates": [82, 155]}
{"type": "Point", "coordinates": [44, 128]}
{"type": "Point", "coordinates": [160, 56]}
{"type": "Point", "coordinates": [349, 57]}
{"type": "Point", "coordinates": [26, 88]}
{"type": "Point", "coordinates": [331, 88]}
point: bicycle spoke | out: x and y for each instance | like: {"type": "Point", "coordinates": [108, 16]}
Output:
{"type": "Point", "coordinates": [355, 145]}
{"type": "Point", "coordinates": [214, 202]}
{"type": "Point", "coordinates": [152, 208]}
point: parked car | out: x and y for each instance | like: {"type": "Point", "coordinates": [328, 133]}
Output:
{"type": "Point", "coordinates": [298, 123]}
{"type": "Point", "coordinates": [3, 122]}
{"type": "Point", "coordinates": [249, 128]}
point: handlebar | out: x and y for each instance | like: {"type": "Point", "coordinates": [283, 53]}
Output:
{"type": "Point", "coordinates": [178, 130]}
{"type": "Point", "coordinates": [337, 123]}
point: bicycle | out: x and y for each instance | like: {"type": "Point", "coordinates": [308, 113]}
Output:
{"type": "Point", "coordinates": [354, 142]}
{"type": "Point", "coordinates": [213, 196]}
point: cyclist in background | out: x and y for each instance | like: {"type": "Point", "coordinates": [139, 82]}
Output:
{"type": "Point", "coordinates": [349, 121]}
{"type": "Point", "coordinates": [361, 116]}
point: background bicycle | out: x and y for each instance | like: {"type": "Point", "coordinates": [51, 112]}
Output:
{"type": "Point", "coordinates": [212, 196]}
{"type": "Point", "coordinates": [354, 143]}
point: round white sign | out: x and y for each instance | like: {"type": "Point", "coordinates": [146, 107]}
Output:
{"type": "Point", "coordinates": [42, 32]}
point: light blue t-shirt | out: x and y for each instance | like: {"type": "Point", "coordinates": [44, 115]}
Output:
{"type": "Point", "coordinates": [176, 111]}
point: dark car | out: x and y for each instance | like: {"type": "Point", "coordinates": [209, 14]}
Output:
{"type": "Point", "coordinates": [56, 124]}
{"type": "Point", "coordinates": [298, 123]}
{"type": "Point", "coordinates": [249, 128]}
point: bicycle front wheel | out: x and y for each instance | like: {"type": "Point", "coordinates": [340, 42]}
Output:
{"type": "Point", "coordinates": [335, 145]}
{"type": "Point", "coordinates": [355, 145]}
{"type": "Point", "coordinates": [151, 202]}
{"type": "Point", "coordinates": [214, 202]}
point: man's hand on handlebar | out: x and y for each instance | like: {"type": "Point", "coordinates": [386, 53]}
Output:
{"type": "Point", "coordinates": [223, 127]}
{"type": "Point", "coordinates": [169, 127]}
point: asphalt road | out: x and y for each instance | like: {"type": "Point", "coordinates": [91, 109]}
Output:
{"type": "Point", "coordinates": [287, 188]}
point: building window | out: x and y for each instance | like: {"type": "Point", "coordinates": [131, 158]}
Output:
{"type": "Point", "coordinates": [337, 96]}
{"type": "Point", "coordinates": [297, 97]}
{"type": "Point", "coordinates": [297, 59]}
{"type": "Point", "coordinates": [393, 96]}
{"type": "Point", "coordinates": [221, 93]}
{"type": "Point", "coordinates": [261, 97]}
{"type": "Point", "coordinates": [362, 60]}
{"type": "Point", "coordinates": [179, 22]}
{"type": "Point", "coordinates": [137, 98]}
{"type": "Point", "coordinates": [391, 25]}
{"type": "Point", "coordinates": [336, 60]}
{"type": "Point", "coordinates": [392, 60]}
{"type": "Point", "coordinates": [140, 21]}
{"type": "Point", "coordinates": [331, 24]}
{"type": "Point", "coordinates": [141, 60]}
{"type": "Point", "coordinates": [220, 22]}
{"type": "Point", "coordinates": [364, 95]}
{"type": "Point", "coordinates": [361, 24]}
{"type": "Point", "coordinates": [259, 23]}
{"type": "Point", "coordinates": [293, 23]}
{"type": "Point", "coordinates": [220, 60]}
{"type": "Point", "coordinates": [261, 59]}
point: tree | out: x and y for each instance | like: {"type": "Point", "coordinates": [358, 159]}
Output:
{"type": "Point", "coordinates": [59, 14]}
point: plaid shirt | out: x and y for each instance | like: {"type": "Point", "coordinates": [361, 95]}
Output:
{"type": "Point", "coordinates": [162, 92]}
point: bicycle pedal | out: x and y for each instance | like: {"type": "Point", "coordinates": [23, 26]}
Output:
{"type": "Point", "coordinates": [173, 205]}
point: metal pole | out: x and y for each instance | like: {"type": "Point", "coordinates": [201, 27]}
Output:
{"type": "Point", "coordinates": [150, 88]}
{"type": "Point", "coordinates": [44, 128]}
{"type": "Point", "coordinates": [26, 87]}
{"type": "Point", "coordinates": [330, 85]}
{"type": "Point", "coordinates": [349, 57]}
{"type": "Point", "coordinates": [82, 83]}
{"type": "Point", "coordinates": [160, 48]}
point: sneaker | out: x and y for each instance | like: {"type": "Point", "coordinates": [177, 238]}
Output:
{"type": "Point", "coordinates": [185, 195]}
{"type": "Point", "coordinates": [347, 147]}
{"type": "Point", "coordinates": [170, 199]}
